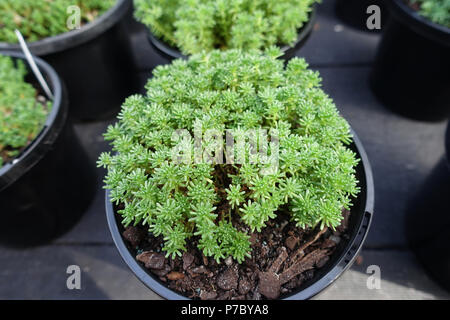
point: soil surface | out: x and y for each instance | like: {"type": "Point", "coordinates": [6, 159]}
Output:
{"type": "Point", "coordinates": [283, 258]}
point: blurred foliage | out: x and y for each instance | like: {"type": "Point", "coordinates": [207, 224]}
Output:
{"type": "Point", "coordinates": [38, 19]}
{"type": "Point", "coordinates": [437, 11]}
{"type": "Point", "coordinates": [21, 115]}
{"type": "Point", "coordinates": [197, 25]}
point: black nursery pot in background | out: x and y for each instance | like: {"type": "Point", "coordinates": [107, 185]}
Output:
{"type": "Point", "coordinates": [94, 61]}
{"type": "Point", "coordinates": [430, 238]}
{"type": "Point", "coordinates": [341, 260]}
{"type": "Point", "coordinates": [170, 53]}
{"type": "Point", "coordinates": [412, 66]}
{"type": "Point", "coordinates": [45, 190]}
{"type": "Point", "coordinates": [428, 221]}
{"type": "Point", "coordinates": [354, 12]}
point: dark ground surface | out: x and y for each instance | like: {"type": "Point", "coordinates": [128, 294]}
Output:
{"type": "Point", "coordinates": [402, 153]}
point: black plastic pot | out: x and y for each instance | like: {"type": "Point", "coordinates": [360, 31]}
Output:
{"type": "Point", "coordinates": [342, 259]}
{"type": "Point", "coordinates": [354, 12]}
{"type": "Point", "coordinates": [428, 222]}
{"type": "Point", "coordinates": [171, 53]}
{"type": "Point", "coordinates": [412, 65]}
{"type": "Point", "coordinates": [95, 63]}
{"type": "Point", "coordinates": [44, 190]}
{"type": "Point", "coordinates": [447, 144]}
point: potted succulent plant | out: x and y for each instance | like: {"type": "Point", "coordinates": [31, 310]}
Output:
{"type": "Point", "coordinates": [85, 41]}
{"type": "Point", "coordinates": [181, 28]}
{"type": "Point", "coordinates": [42, 165]}
{"type": "Point", "coordinates": [410, 73]}
{"type": "Point", "coordinates": [202, 204]}
{"type": "Point", "coordinates": [431, 242]}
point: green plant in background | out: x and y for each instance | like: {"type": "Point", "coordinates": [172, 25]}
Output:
{"type": "Point", "coordinates": [21, 115]}
{"type": "Point", "coordinates": [38, 19]}
{"type": "Point", "coordinates": [437, 11]}
{"type": "Point", "coordinates": [197, 25]}
{"type": "Point", "coordinates": [222, 204]}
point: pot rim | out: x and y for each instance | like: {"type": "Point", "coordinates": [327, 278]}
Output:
{"type": "Point", "coordinates": [422, 25]}
{"type": "Point", "coordinates": [73, 38]}
{"type": "Point", "coordinates": [14, 169]}
{"type": "Point", "coordinates": [345, 260]}
{"type": "Point", "coordinates": [175, 53]}
{"type": "Point", "coordinates": [447, 144]}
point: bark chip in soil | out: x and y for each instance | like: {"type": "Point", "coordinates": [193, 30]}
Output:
{"type": "Point", "coordinates": [228, 279]}
{"type": "Point", "coordinates": [152, 260]}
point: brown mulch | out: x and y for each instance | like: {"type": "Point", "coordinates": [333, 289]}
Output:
{"type": "Point", "coordinates": [283, 258]}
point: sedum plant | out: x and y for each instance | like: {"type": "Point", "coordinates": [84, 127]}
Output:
{"type": "Point", "coordinates": [197, 25]}
{"type": "Point", "coordinates": [21, 115]}
{"type": "Point", "coordinates": [437, 11]}
{"type": "Point", "coordinates": [223, 202]}
{"type": "Point", "coordinates": [38, 19]}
